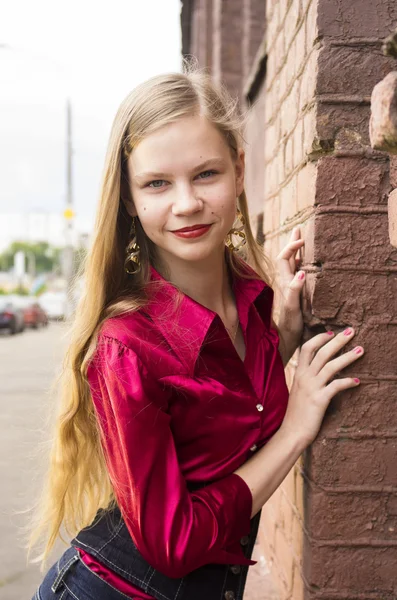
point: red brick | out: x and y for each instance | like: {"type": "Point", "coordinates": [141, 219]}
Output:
{"type": "Point", "coordinates": [335, 118]}
{"type": "Point", "coordinates": [356, 18]}
{"type": "Point", "coordinates": [393, 171]}
{"type": "Point", "coordinates": [352, 181]}
{"type": "Point", "coordinates": [353, 239]}
{"type": "Point", "coordinates": [352, 298]}
{"type": "Point", "coordinates": [356, 411]}
{"type": "Point", "coordinates": [354, 570]}
{"type": "Point", "coordinates": [354, 462]}
{"type": "Point", "coordinates": [351, 70]}
{"type": "Point", "coordinates": [345, 516]}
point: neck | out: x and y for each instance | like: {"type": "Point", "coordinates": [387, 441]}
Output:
{"type": "Point", "coordinates": [207, 281]}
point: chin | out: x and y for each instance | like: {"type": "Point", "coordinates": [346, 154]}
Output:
{"type": "Point", "coordinates": [194, 254]}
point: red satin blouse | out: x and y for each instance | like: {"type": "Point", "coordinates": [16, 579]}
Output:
{"type": "Point", "coordinates": [176, 404]}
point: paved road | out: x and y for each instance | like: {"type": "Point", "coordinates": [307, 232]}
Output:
{"type": "Point", "coordinates": [29, 363]}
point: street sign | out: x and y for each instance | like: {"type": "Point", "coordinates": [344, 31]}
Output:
{"type": "Point", "coordinates": [68, 214]}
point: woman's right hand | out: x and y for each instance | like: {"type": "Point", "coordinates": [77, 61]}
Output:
{"type": "Point", "coordinates": [310, 395]}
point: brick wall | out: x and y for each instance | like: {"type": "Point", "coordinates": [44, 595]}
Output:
{"type": "Point", "coordinates": [330, 530]}
{"type": "Point", "coordinates": [292, 49]}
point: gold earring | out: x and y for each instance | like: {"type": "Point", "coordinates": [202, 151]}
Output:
{"type": "Point", "coordinates": [132, 251]}
{"type": "Point", "coordinates": [238, 232]}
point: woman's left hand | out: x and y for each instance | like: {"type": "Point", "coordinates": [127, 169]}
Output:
{"type": "Point", "coordinates": [290, 323]}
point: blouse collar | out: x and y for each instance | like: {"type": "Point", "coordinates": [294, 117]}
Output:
{"type": "Point", "coordinates": [184, 323]}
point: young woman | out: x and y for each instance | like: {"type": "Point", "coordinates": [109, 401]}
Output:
{"type": "Point", "coordinates": [176, 424]}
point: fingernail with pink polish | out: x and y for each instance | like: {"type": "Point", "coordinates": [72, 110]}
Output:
{"type": "Point", "coordinates": [301, 275]}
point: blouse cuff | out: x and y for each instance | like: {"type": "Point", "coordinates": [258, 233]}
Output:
{"type": "Point", "coordinates": [230, 499]}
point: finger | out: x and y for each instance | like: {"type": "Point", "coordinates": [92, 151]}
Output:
{"type": "Point", "coordinates": [327, 352]}
{"type": "Point", "coordinates": [339, 385]}
{"type": "Point", "coordinates": [286, 258]}
{"type": "Point", "coordinates": [313, 345]}
{"type": "Point", "coordinates": [333, 367]}
{"type": "Point", "coordinates": [295, 235]}
{"type": "Point", "coordinates": [293, 293]}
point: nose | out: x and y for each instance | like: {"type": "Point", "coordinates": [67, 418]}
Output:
{"type": "Point", "coordinates": [186, 201]}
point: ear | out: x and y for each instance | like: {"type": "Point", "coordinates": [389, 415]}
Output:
{"type": "Point", "coordinates": [240, 171]}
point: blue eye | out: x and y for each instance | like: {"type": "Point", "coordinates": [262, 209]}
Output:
{"type": "Point", "coordinates": [206, 173]}
{"type": "Point", "coordinates": [151, 184]}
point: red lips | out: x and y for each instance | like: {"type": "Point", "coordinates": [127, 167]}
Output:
{"type": "Point", "coordinates": [193, 227]}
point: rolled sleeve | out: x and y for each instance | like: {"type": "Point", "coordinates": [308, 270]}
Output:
{"type": "Point", "coordinates": [175, 530]}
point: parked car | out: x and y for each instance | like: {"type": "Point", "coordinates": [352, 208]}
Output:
{"type": "Point", "coordinates": [33, 314]}
{"type": "Point", "coordinates": [11, 316]}
{"type": "Point", "coordinates": [36, 315]}
{"type": "Point", "coordinates": [54, 304]}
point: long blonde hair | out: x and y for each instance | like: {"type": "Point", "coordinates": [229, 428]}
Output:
{"type": "Point", "coordinates": [77, 483]}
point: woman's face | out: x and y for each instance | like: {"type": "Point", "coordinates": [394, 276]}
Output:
{"type": "Point", "coordinates": [180, 176]}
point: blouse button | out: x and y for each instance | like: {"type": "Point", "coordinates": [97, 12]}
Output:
{"type": "Point", "coordinates": [229, 595]}
{"type": "Point", "coordinates": [259, 407]}
{"type": "Point", "coordinates": [235, 569]}
{"type": "Point", "coordinates": [244, 540]}
{"type": "Point", "coordinates": [253, 448]}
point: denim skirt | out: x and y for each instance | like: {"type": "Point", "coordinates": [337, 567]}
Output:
{"type": "Point", "coordinates": [70, 579]}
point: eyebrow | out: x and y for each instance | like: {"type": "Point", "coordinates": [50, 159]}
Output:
{"type": "Point", "coordinates": [213, 162]}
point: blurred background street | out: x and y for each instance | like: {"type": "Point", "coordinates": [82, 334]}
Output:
{"type": "Point", "coordinates": [28, 364]}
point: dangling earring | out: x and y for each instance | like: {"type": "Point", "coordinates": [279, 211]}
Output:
{"type": "Point", "coordinates": [132, 251]}
{"type": "Point", "coordinates": [237, 231]}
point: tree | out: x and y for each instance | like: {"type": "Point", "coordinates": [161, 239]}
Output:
{"type": "Point", "coordinates": [47, 258]}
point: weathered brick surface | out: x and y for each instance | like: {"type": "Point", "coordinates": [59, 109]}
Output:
{"type": "Point", "coordinates": [346, 572]}
{"type": "Point", "coordinates": [347, 305]}
{"type": "Point", "coordinates": [342, 127]}
{"type": "Point", "coordinates": [354, 462]}
{"type": "Point", "coordinates": [351, 239]}
{"type": "Point", "coordinates": [352, 19]}
{"type": "Point", "coordinates": [341, 68]}
{"type": "Point", "coordinates": [353, 517]}
{"type": "Point", "coordinates": [352, 181]}
{"type": "Point", "coordinates": [371, 410]}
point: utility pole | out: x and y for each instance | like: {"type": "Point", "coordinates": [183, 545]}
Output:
{"type": "Point", "coordinates": [69, 215]}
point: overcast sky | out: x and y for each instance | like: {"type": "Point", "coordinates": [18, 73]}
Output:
{"type": "Point", "coordinates": [93, 52]}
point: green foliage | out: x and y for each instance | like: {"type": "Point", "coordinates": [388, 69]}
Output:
{"type": "Point", "coordinates": [20, 291]}
{"type": "Point", "coordinates": [46, 257]}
